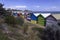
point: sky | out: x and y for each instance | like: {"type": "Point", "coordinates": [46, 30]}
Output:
{"type": "Point", "coordinates": [35, 5]}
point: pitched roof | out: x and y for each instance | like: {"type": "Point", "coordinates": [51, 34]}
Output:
{"type": "Point", "coordinates": [36, 14]}
{"type": "Point", "coordinates": [57, 16]}
{"type": "Point", "coordinates": [46, 15]}
{"type": "Point", "coordinates": [33, 16]}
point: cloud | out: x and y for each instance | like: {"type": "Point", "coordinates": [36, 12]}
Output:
{"type": "Point", "coordinates": [49, 8]}
{"type": "Point", "coordinates": [21, 6]}
{"type": "Point", "coordinates": [17, 7]}
{"type": "Point", "coordinates": [37, 6]}
{"type": "Point", "coordinates": [53, 8]}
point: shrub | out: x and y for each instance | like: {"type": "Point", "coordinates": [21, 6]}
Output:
{"type": "Point", "coordinates": [1, 21]}
{"type": "Point", "coordinates": [3, 36]}
{"type": "Point", "coordinates": [37, 29]}
{"type": "Point", "coordinates": [40, 31]}
{"type": "Point", "coordinates": [25, 28]}
{"type": "Point", "coordinates": [20, 21]}
{"type": "Point", "coordinates": [10, 20]}
{"type": "Point", "coordinates": [59, 22]}
{"type": "Point", "coordinates": [51, 33]}
{"type": "Point", "coordinates": [13, 21]}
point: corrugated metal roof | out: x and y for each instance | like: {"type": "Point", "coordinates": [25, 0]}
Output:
{"type": "Point", "coordinates": [46, 15]}
{"type": "Point", "coordinates": [57, 16]}
{"type": "Point", "coordinates": [43, 14]}
{"type": "Point", "coordinates": [36, 14]}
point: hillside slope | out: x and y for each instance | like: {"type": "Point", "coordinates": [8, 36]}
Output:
{"type": "Point", "coordinates": [24, 32]}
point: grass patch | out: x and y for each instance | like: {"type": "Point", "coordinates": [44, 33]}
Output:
{"type": "Point", "coordinates": [37, 29]}
{"type": "Point", "coordinates": [3, 36]}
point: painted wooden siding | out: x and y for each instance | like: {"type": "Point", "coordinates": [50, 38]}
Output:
{"type": "Point", "coordinates": [33, 21]}
{"type": "Point", "coordinates": [50, 21]}
{"type": "Point", "coordinates": [41, 20]}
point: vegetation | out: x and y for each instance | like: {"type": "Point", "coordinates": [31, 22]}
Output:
{"type": "Point", "coordinates": [25, 28]}
{"type": "Point", "coordinates": [59, 22]}
{"type": "Point", "coordinates": [3, 11]}
{"type": "Point", "coordinates": [51, 32]}
{"type": "Point", "coordinates": [11, 20]}
{"type": "Point", "coordinates": [3, 36]}
{"type": "Point", "coordinates": [38, 29]}
{"type": "Point", "coordinates": [20, 21]}
{"type": "Point", "coordinates": [25, 31]}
